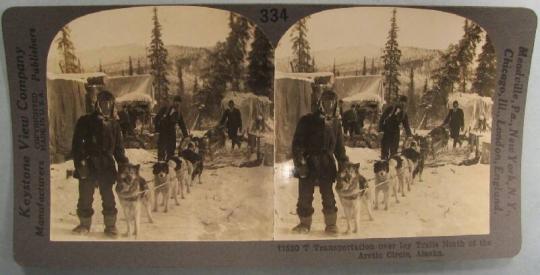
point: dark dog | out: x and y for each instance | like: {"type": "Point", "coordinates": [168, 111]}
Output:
{"type": "Point", "coordinates": [417, 157]}
{"type": "Point", "coordinates": [439, 140]}
{"type": "Point", "coordinates": [196, 160]}
{"type": "Point", "coordinates": [201, 143]}
{"type": "Point", "coordinates": [216, 140]}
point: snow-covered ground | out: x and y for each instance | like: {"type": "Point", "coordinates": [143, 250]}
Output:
{"type": "Point", "coordinates": [451, 200]}
{"type": "Point", "coordinates": [235, 203]}
{"type": "Point", "coordinates": [232, 203]}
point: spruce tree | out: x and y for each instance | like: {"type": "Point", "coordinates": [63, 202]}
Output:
{"type": "Point", "coordinates": [444, 77]}
{"type": "Point", "coordinates": [486, 72]}
{"type": "Point", "coordinates": [466, 52]}
{"type": "Point", "coordinates": [180, 88]}
{"type": "Point", "coordinates": [261, 66]}
{"type": "Point", "coordinates": [215, 77]}
{"type": "Point", "coordinates": [313, 65]}
{"type": "Point", "coordinates": [364, 69]}
{"type": "Point", "coordinates": [411, 102]}
{"type": "Point", "coordinates": [80, 68]}
{"type": "Point", "coordinates": [66, 48]}
{"type": "Point", "coordinates": [391, 60]}
{"type": "Point", "coordinates": [373, 71]}
{"type": "Point", "coordinates": [139, 68]}
{"type": "Point", "coordinates": [426, 101]}
{"type": "Point", "coordinates": [100, 67]}
{"type": "Point", "coordinates": [195, 86]}
{"type": "Point", "coordinates": [236, 43]}
{"type": "Point", "coordinates": [131, 72]}
{"type": "Point", "coordinates": [300, 47]}
{"type": "Point", "coordinates": [158, 60]}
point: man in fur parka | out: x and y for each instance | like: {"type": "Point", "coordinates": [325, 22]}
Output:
{"type": "Point", "coordinates": [317, 144]}
{"type": "Point", "coordinates": [97, 148]}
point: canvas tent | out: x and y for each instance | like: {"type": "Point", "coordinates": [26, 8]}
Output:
{"type": "Point", "coordinates": [133, 88]}
{"type": "Point", "coordinates": [66, 103]}
{"type": "Point", "coordinates": [250, 105]}
{"type": "Point", "coordinates": [66, 98]}
{"type": "Point", "coordinates": [474, 107]}
{"type": "Point", "coordinates": [360, 89]}
{"type": "Point", "coordinates": [292, 101]}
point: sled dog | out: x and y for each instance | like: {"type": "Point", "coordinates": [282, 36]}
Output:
{"type": "Point", "coordinates": [385, 180]}
{"type": "Point", "coordinates": [353, 189]}
{"type": "Point", "coordinates": [132, 191]}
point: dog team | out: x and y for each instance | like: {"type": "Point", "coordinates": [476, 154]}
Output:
{"type": "Point", "coordinates": [100, 161]}
{"type": "Point", "coordinates": [173, 178]}
{"type": "Point", "coordinates": [392, 177]}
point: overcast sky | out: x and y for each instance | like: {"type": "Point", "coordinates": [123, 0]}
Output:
{"type": "Point", "coordinates": [363, 26]}
{"type": "Point", "coordinates": [187, 26]}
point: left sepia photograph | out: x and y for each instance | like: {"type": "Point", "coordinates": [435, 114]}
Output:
{"type": "Point", "coordinates": [161, 127]}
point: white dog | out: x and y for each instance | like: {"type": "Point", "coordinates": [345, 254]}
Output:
{"type": "Point", "coordinates": [385, 180]}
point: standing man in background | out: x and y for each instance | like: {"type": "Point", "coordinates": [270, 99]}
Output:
{"type": "Point", "coordinates": [232, 120]}
{"type": "Point", "coordinates": [165, 125]}
{"type": "Point", "coordinates": [393, 116]}
{"type": "Point", "coordinates": [455, 121]}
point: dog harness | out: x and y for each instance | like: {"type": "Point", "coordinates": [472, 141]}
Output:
{"type": "Point", "coordinates": [355, 195]}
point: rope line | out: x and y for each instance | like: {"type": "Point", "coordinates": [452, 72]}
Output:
{"type": "Point", "coordinates": [145, 191]}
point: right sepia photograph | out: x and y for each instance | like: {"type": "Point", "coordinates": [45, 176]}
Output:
{"type": "Point", "coordinates": [383, 125]}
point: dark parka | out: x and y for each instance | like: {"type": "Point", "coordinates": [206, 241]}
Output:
{"type": "Point", "coordinates": [98, 145]}
{"type": "Point", "coordinates": [455, 120]}
{"type": "Point", "coordinates": [231, 119]}
{"type": "Point", "coordinates": [390, 121]}
{"type": "Point", "coordinates": [318, 144]}
{"type": "Point", "coordinates": [165, 124]}
{"type": "Point", "coordinates": [166, 120]}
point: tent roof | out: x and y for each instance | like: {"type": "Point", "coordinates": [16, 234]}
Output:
{"type": "Point", "coordinates": [82, 77]}
{"type": "Point", "coordinates": [132, 97]}
{"type": "Point", "coordinates": [311, 77]}
{"type": "Point", "coordinates": [359, 88]}
{"type": "Point", "coordinates": [131, 88]}
{"type": "Point", "coordinates": [363, 97]}
{"type": "Point", "coordinates": [468, 99]}
{"type": "Point", "coordinates": [238, 98]}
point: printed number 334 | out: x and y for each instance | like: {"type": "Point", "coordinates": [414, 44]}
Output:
{"type": "Point", "coordinates": [273, 15]}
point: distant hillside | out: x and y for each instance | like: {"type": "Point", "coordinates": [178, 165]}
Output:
{"type": "Point", "coordinates": [350, 59]}
{"type": "Point", "coordinates": [114, 59]}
